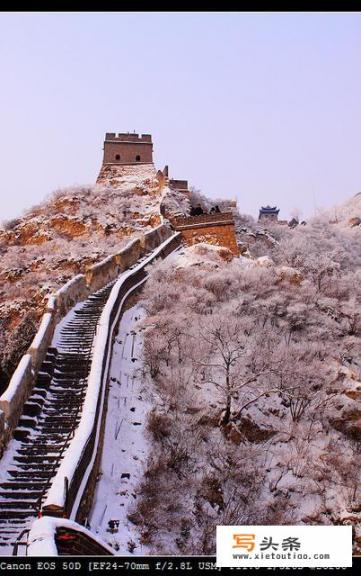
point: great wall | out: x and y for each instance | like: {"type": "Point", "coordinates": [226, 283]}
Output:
{"type": "Point", "coordinates": [52, 414]}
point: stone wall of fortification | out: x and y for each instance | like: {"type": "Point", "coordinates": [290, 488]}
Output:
{"type": "Point", "coordinates": [217, 229]}
{"type": "Point", "coordinates": [76, 290]}
{"type": "Point", "coordinates": [221, 235]}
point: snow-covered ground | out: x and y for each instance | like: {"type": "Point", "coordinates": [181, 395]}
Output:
{"type": "Point", "coordinates": [125, 448]}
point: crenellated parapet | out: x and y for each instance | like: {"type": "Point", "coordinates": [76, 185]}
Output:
{"type": "Point", "coordinates": [128, 137]}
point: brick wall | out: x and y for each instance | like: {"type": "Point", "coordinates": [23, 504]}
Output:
{"type": "Point", "coordinates": [128, 152]}
{"type": "Point", "coordinates": [75, 543]}
{"type": "Point", "coordinates": [216, 229]}
{"type": "Point", "coordinates": [127, 148]}
{"type": "Point", "coordinates": [178, 184]}
{"type": "Point", "coordinates": [223, 235]}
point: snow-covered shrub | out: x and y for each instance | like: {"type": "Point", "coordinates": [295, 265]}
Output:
{"type": "Point", "coordinates": [257, 376]}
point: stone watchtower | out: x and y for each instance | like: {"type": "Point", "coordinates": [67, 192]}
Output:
{"type": "Point", "coordinates": [128, 148]}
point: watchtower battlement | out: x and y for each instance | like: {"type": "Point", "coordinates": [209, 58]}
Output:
{"type": "Point", "coordinates": [127, 148]}
{"type": "Point", "coordinates": [128, 137]}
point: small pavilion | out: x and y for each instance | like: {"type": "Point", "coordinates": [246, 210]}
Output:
{"type": "Point", "coordinates": [268, 213]}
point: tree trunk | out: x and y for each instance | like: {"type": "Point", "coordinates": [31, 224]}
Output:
{"type": "Point", "coordinates": [227, 413]}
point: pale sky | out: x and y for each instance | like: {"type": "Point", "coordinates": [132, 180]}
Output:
{"type": "Point", "coordinates": [262, 107]}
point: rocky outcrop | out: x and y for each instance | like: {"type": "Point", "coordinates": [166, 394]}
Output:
{"type": "Point", "coordinates": [247, 429]}
{"type": "Point", "coordinates": [348, 422]}
{"type": "Point", "coordinates": [288, 274]}
{"type": "Point", "coordinates": [355, 221]}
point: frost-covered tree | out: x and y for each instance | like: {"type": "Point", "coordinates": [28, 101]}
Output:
{"type": "Point", "coordinates": [273, 352]}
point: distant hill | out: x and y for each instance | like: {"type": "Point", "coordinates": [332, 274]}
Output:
{"type": "Point", "coordinates": [347, 211]}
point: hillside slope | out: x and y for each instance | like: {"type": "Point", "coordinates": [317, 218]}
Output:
{"type": "Point", "coordinates": [52, 242]}
{"type": "Point", "coordinates": [253, 361]}
{"type": "Point", "coordinates": [346, 213]}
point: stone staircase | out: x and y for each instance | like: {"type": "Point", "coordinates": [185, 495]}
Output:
{"type": "Point", "coordinates": [50, 418]}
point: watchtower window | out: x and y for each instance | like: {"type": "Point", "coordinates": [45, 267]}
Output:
{"type": "Point", "coordinates": [117, 156]}
{"type": "Point", "coordinates": [137, 158]}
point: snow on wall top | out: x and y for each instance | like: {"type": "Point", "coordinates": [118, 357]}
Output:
{"type": "Point", "coordinates": [56, 496]}
{"type": "Point", "coordinates": [41, 541]}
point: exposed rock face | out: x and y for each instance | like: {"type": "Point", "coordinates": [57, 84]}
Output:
{"type": "Point", "coordinates": [247, 429]}
{"type": "Point", "coordinates": [233, 433]}
{"type": "Point", "coordinates": [252, 431]}
{"type": "Point", "coordinates": [288, 274]}
{"type": "Point", "coordinates": [211, 491]}
{"type": "Point", "coordinates": [347, 417]}
{"type": "Point", "coordinates": [349, 423]}
{"type": "Point", "coordinates": [72, 226]}
{"type": "Point", "coordinates": [356, 221]}
{"type": "Point", "coordinates": [354, 394]}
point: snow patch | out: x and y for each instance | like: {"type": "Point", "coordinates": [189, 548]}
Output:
{"type": "Point", "coordinates": [125, 447]}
